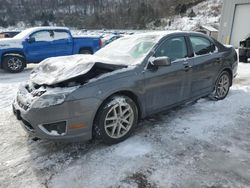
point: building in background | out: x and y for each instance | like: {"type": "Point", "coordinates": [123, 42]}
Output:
{"type": "Point", "coordinates": [209, 30]}
{"type": "Point", "coordinates": [235, 21]}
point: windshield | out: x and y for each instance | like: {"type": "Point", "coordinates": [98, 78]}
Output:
{"type": "Point", "coordinates": [23, 34]}
{"type": "Point", "coordinates": [129, 50]}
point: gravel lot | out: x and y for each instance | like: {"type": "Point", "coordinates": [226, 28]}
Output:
{"type": "Point", "coordinates": [203, 144]}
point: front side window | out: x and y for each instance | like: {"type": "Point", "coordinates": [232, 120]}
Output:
{"type": "Point", "coordinates": [43, 36]}
{"type": "Point", "coordinates": [174, 48]}
{"type": "Point", "coordinates": [202, 45]}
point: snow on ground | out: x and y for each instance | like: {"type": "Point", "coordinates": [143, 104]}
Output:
{"type": "Point", "coordinates": [203, 144]}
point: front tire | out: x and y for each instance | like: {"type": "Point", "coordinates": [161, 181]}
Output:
{"type": "Point", "coordinates": [116, 119]}
{"type": "Point", "coordinates": [13, 64]}
{"type": "Point", "coordinates": [222, 86]}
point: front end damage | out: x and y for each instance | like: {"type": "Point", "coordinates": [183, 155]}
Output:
{"type": "Point", "coordinates": [41, 103]}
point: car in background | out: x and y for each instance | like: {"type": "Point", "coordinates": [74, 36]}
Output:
{"type": "Point", "coordinates": [36, 44]}
{"type": "Point", "coordinates": [8, 34]}
{"type": "Point", "coordinates": [104, 95]}
{"type": "Point", "coordinates": [244, 49]}
{"type": "Point", "coordinates": [110, 38]}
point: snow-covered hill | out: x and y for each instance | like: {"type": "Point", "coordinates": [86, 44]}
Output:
{"type": "Point", "coordinates": [207, 13]}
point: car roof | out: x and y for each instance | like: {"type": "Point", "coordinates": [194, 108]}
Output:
{"type": "Point", "coordinates": [167, 32]}
{"type": "Point", "coordinates": [28, 31]}
{"type": "Point", "coordinates": [32, 29]}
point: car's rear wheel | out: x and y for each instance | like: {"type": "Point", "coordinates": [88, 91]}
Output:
{"type": "Point", "coordinates": [116, 119]}
{"type": "Point", "coordinates": [85, 51]}
{"type": "Point", "coordinates": [13, 64]}
{"type": "Point", "coordinates": [222, 86]}
{"type": "Point", "coordinates": [243, 59]}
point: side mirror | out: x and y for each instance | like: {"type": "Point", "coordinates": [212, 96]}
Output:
{"type": "Point", "coordinates": [161, 61]}
{"type": "Point", "coordinates": [31, 40]}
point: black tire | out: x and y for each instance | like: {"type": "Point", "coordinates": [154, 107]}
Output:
{"type": "Point", "coordinates": [13, 64]}
{"type": "Point", "coordinates": [85, 51]}
{"type": "Point", "coordinates": [102, 132]}
{"type": "Point", "coordinates": [221, 88]}
{"type": "Point", "coordinates": [243, 59]}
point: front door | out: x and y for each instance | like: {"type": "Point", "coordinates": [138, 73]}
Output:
{"type": "Point", "coordinates": [168, 85]}
{"type": "Point", "coordinates": [40, 46]}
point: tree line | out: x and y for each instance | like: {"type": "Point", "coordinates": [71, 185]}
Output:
{"type": "Point", "coordinates": [91, 14]}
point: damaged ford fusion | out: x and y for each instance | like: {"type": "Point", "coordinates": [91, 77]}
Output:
{"type": "Point", "coordinates": [103, 95]}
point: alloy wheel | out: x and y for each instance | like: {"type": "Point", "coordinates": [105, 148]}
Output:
{"type": "Point", "coordinates": [14, 63]}
{"type": "Point", "coordinates": [119, 120]}
{"type": "Point", "coordinates": [222, 86]}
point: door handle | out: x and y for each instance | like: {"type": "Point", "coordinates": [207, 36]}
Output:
{"type": "Point", "coordinates": [186, 66]}
{"type": "Point", "coordinates": [218, 60]}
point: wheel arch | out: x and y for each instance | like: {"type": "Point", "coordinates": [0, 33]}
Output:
{"type": "Point", "coordinates": [86, 48]}
{"type": "Point", "coordinates": [14, 53]}
{"type": "Point", "coordinates": [127, 93]}
{"type": "Point", "coordinates": [230, 74]}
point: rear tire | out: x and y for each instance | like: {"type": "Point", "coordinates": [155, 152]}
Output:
{"type": "Point", "coordinates": [222, 86]}
{"type": "Point", "coordinates": [85, 51]}
{"type": "Point", "coordinates": [243, 59]}
{"type": "Point", "coordinates": [116, 119]}
{"type": "Point", "coordinates": [13, 64]}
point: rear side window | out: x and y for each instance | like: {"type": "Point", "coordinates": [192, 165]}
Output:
{"type": "Point", "coordinates": [174, 48]}
{"type": "Point", "coordinates": [61, 35]}
{"type": "Point", "coordinates": [202, 45]}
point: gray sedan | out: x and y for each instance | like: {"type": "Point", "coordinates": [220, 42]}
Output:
{"type": "Point", "coordinates": [105, 95]}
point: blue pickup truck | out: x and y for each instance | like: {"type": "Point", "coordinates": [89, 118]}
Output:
{"type": "Point", "coordinates": [36, 44]}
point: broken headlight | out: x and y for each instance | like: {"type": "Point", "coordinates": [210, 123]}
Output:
{"type": "Point", "coordinates": [52, 96]}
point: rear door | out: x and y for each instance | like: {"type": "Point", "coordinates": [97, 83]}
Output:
{"type": "Point", "coordinates": [40, 46]}
{"type": "Point", "coordinates": [166, 86]}
{"type": "Point", "coordinates": [63, 43]}
{"type": "Point", "coordinates": [206, 65]}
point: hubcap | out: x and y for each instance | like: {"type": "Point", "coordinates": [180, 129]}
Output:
{"type": "Point", "coordinates": [14, 63]}
{"type": "Point", "coordinates": [222, 86]}
{"type": "Point", "coordinates": [119, 120]}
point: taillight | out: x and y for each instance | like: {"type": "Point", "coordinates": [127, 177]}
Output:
{"type": "Point", "coordinates": [100, 42]}
{"type": "Point", "coordinates": [235, 56]}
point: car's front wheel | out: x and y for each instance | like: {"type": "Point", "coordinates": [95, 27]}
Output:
{"type": "Point", "coordinates": [13, 64]}
{"type": "Point", "coordinates": [222, 86]}
{"type": "Point", "coordinates": [116, 119]}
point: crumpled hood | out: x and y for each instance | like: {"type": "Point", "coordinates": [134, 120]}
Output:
{"type": "Point", "coordinates": [10, 43]}
{"type": "Point", "coordinates": [58, 69]}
